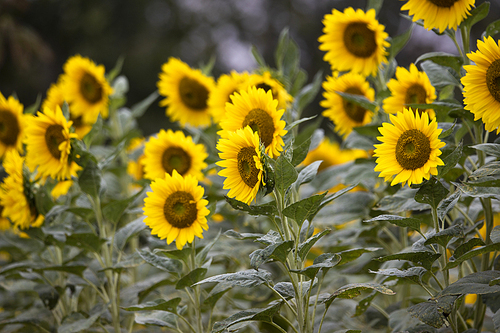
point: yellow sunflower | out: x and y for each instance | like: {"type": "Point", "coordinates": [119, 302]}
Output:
{"type": "Point", "coordinates": [187, 91]}
{"type": "Point", "coordinates": [16, 206]}
{"type": "Point", "coordinates": [439, 14]}
{"type": "Point", "coordinates": [410, 148]}
{"type": "Point", "coordinates": [171, 151]}
{"type": "Point", "coordinates": [175, 209]}
{"type": "Point", "coordinates": [482, 84]}
{"type": "Point", "coordinates": [227, 84]}
{"type": "Point", "coordinates": [267, 82]}
{"type": "Point", "coordinates": [85, 88]}
{"type": "Point", "coordinates": [344, 114]}
{"type": "Point", "coordinates": [135, 166]}
{"type": "Point", "coordinates": [11, 125]}
{"type": "Point", "coordinates": [410, 87]}
{"type": "Point", "coordinates": [241, 160]}
{"type": "Point", "coordinates": [48, 145]}
{"type": "Point", "coordinates": [354, 41]}
{"type": "Point", "coordinates": [55, 97]}
{"type": "Point", "coordinates": [256, 108]}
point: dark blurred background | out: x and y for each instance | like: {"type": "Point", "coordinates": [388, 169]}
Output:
{"type": "Point", "coordinates": [38, 36]}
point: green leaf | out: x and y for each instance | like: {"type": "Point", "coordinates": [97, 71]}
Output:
{"type": "Point", "coordinates": [90, 179]}
{"type": "Point", "coordinates": [202, 255]}
{"type": "Point", "coordinates": [492, 29]}
{"type": "Point", "coordinates": [489, 189]}
{"type": "Point", "coordinates": [157, 318]}
{"type": "Point", "coordinates": [433, 312]}
{"type": "Point", "coordinates": [48, 295]}
{"type": "Point", "coordinates": [492, 149]}
{"type": "Point", "coordinates": [258, 57]}
{"type": "Point", "coordinates": [358, 100]}
{"type": "Point", "coordinates": [489, 169]}
{"type": "Point", "coordinates": [353, 290]}
{"type": "Point", "coordinates": [443, 59]}
{"type": "Point", "coordinates": [87, 241]}
{"type": "Point", "coordinates": [35, 106]}
{"type": "Point", "coordinates": [353, 254]}
{"type": "Point", "coordinates": [216, 293]}
{"type": "Point", "coordinates": [140, 108]}
{"type": "Point", "coordinates": [265, 315]}
{"type": "Point", "coordinates": [298, 122]}
{"type": "Point", "coordinates": [248, 278]}
{"type": "Point", "coordinates": [473, 253]}
{"type": "Point", "coordinates": [191, 278]}
{"type": "Point", "coordinates": [431, 193]}
{"type": "Point", "coordinates": [115, 209]}
{"type": "Point", "coordinates": [71, 268]}
{"type": "Point", "coordinates": [475, 283]}
{"type": "Point", "coordinates": [364, 304]}
{"type": "Point", "coordinates": [447, 128]}
{"type": "Point", "coordinates": [113, 73]}
{"type": "Point", "coordinates": [414, 274]}
{"type": "Point", "coordinates": [476, 15]}
{"type": "Point", "coordinates": [451, 160]}
{"type": "Point", "coordinates": [307, 94]}
{"type": "Point", "coordinates": [165, 264]}
{"type": "Point", "coordinates": [236, 235]}
{"type": "Point", "coordinates": [309, 243]}
{"type": "Point", "coordinates": [285, 174]}
{"type": "Point", "coordinates": [158, 304]}
{"type": "Point", "coordinates": [444, 236]}
{"type": "Point", "coordinates": [128, 231]}
{"type": "Point", "coordinates": [267, 209]}
{"type": "Point", "coordinates": [439, 75]}
{"type": "Point", "coordinates": [277, 251]}
{"type": "Point", "coordinates": [113, 155]}
{"type": "Point", "coordinates": [287, 55]}
{"type": "Point", "coordinates": [422, 258]}
{"type": "Point", "coordinates": [495, 234]}
{"type": "Point", "coordinates": [304, 209]}
{"type": "Point", "coordinates": [83, 324]}
{"type": "Point", "coordinates": [272, 237]}
{"type": "Point", "coordinates": [183, 254]}
{"type": "Point", "coordinates": [398, 42]}
{"type": "Point", "coordinates": [447, 204]}
{"type": "Point", "coordinates": [307, 174]}
{"type": "Point", "coordinates": [375, 4]}
{"type": "Point", "coordinates": [323, 262]}
{"type": "Point", "coordinates": [285, 289]}
{"type": "Point", "coordinates": [405, 222]}
{"type": "Point", "coordinates": [466, 247]}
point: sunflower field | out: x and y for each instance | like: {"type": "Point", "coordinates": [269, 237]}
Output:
{"type": "Point", "coordinates": [246, 215]}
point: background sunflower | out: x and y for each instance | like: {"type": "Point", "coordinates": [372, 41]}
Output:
{"type": "Point", "coordinates": [12, 122]}
{"type": "Point", "coordinates": [227, 84]}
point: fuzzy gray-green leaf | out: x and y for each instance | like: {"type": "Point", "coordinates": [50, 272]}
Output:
{"type": "Point", "coordinates": [157, 304]}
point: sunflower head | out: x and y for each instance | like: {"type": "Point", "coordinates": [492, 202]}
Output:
{"type": "Point", "coordinates": [85, 88]}
{"type": "Point", "coordinates": [12, 125]}
{"type": "Point", "coordinates": [409, 151]}
{"type": "Point", "coordinates": [482, 84]}
{"type": "Point", "coordinates": [256, 108]}
{"type": "Point", "coordinates": [410, 87]}
{"type": "Point", "coordinates": [343, 113]}
{"type": "Point", "coordinates": [439, 14]}
{"type": "Point", "coordinates": [268, 83]}
{"type": "Point", "coordinates": [241, 162]}
{"type": "Point", "coordinates": [175, 209]}
{"type": "Point", "coordinates": [227, 84]}
{"type": "Point", "coordinates": [354, 41]}
{"type": "Point", "coordinates": [186, 92]}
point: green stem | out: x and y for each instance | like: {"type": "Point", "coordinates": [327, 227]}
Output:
{"type": "Point", "coordinates": [281, 296]}
{"type": "Point", "coordinates": [289, 323]}
{"type": "Point", "coordinates": [197, 307]}
{"type": "Point", "coordinates": [278, 327]}
{"type": "Point", "coordinates": [316, 302]}
{"type": "Point", "coordinates": [187, 323]}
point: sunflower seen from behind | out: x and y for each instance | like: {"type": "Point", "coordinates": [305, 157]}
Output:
{"type": "Point", "coordinates": [344, 114]}
{"type": "Point", "coordinates": [439, 14]}
{"type": "Point", "coordinates": [482, 84]}
{"type": "Point", "coordinates": [410, 87]}
{"type": "Point", "coordinates": [409, 151]}
{"type": "Point", "coordinates": [256, 108]}
{"type": "Point", "coordinates": [12, 123]}
{"type": "Point", "coordinates": [241, 162]}
{"type": "Point", "coordinates": [186, 93]}
{"type": "Point", "coordinates": [175, 209]}
{"type": "Point", "coordinates": [48, 145]}
{"type": "Point", "coordinates": [268, 83]}
{"type": "Point", "coordinates": [171, 151]}
{"type": "Point", "coordinates": [227, 84]}
{"type": "Point", "coordinates": [354, 41]}
{"type": "Point", "coordinates": [85, 88]}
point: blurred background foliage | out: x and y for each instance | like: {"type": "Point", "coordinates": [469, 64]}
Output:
{"type": "Point", "coordinates": [38, 36]}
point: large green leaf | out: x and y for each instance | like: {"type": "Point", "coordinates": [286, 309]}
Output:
{"type": "Point", "coordinates": [113, 210]}
{"type": "Point", "coordinates": [277, 251]}
{"type": "Point", "coordinates": [309, 243]}
{"type": "Point", "coordinates": [249, 278]}
{"type": "Point", "coordinates": [128, 231]}
{"type": "Point", "coordinates": [433, 312]}
{"type": "Point", "coordinates": [90, 179]}
{"type": "Point", "coordinates": [83, 325]}
{"type": "Point", "coordinates": [158, 304]}
{"type": "Point", "coordinates": [473, 253]}
{"type": "Point", "coordinates": [191, 278]}
{"type": "Point", "coordinates": [492, 149]}
{"type": "Point", "coordinates": [265, 315]}
{"type": "Point", "coordinates": [157, 318]}
{"type": "Point", "coordinates": [358, 100]}
{"type": "Point", "coordinates": [398, 42]}
{"type": "Point", "coordinates": [353, 254]}
{"type": "Point", "coordinates": [285, 174]}
{"type": "Point", "coordinates": [475, 283]}
{"type": "Point", "coordinates": [444, 236]}
{"type": "Point", "coordinates": [422, 258]}
{"type": "Point", "coordinates": [323, 262]}
{"type": "Point", "coordinates": [268, 209]}
{"type": "Point", "coordinates": [405, 222]}
{"type": "Point", "coordinates": [216, 293]}
{"type": "Point", "coordinates": [413, 274]}
{"type": "Point", "coordinates": [451, 160]}
{"type": "Point", "coordinates": [163, 263]}
{"type": "Point", "coordinates": [439, 75]}
{"type": "Point", "coordinates": [443, 59]}
{"type": "Point", "coordinates": [304, 209]}
{"type": "Point", "coordinates": [476, 15]}
{"type": "Point", "coordinates": [431, 193]}
{"type": "Point", "coordinates": [492, 29]}
{"type": "Point", "coordinates": [354, 289]}
{"type": "Point", "coordinates": [447, 204]}
{"type": "Point", "coordinates": [487, 189]}
{"type": "Point", "coordinates": [466, 247]}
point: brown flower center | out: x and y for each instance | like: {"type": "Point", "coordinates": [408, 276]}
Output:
{"type": "Point", "coordinates": [246, 166]}
{"type": "Point", "coordinates": [261, 122]}
{"type": "Point", "coordinates": [413, 149]}
{"type": "Point", "coordinates": [493, 79]}
{"type": "Point", "coordinates": [360, 40]}
{"type": "Point", "coordinates": [354, 111]}
{"type": "Point", "coordinates": [193, 94]}
{"type": "Point", "coordinates": [77, 122]}
{"type": "Point", "coordinates": [175, 158]}
{"type": "Point", "coordinates": [266, 88]}
{"type": "Point", "coordinates": [9, 128]}
{"type": "Point", "coordinates": [180, 209]}
{"type": "Point", "coordinates": [416, 94]}
{"type": "Point", "coordinates": [53, 138]}
{"type": "Point", "coordinates": [443, 3]}
{"type": "Point", "coordinates": [90, 88]}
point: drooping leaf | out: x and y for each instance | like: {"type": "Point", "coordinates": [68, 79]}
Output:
{"type": "Point", "coordinates": [447, 204]}
{"type": "Point", "coordinates": [363, 304]}
{"type": "Point", "coordinates": [285, 289]}
{"type": "Point", "coordinates": [405, 222]}
{"type": "Point", "coordinates": [489, 189]}
{"type": "Point", "coordinates": [268, 209]}
{"type": "Point", "coordinates": [323, 262]}
{"type": "Point", "coordinates": [265, 315]}
{"type": "Point", "coordinates": [165, 264]}
{"type": "Point", "coordinates": [156, 318]}
{"type": "Point", "coordinates": [443, 59]}
{"type": "Point", "coordinates": [191, 278]}
{"type": "Point", "coordinates": [358, 100]}
{"type": "Point", "coordinates": [353, 254]}
{"type": "Point", "coordinates": [413, 274]}
{"type": "Point", "coordinates": [354, 289]}
{"type": "Point", "coordinates": [158, 304]}
{"type": "Point", "coordinates": [248, 278]}
{"type": "Point", "coordinates": [236, 235]}
{"type": "Point", "coordinates": [304, 209]}
{"type": "Point", "coordinates": [473, 253]}
{"type": "Point", "coordinates": [489, 169]}
{"type": "Point", "coordinates": [433, 312]}
{"type": "Point", "coordinates": [216, 293]}
{"type": "Point", "coordinates": [475, 283]}
{"type": "Point", "coordinates": [466, 247]}
{"type": "Point", "coordinates": [309, 243]}
{"type": "Point", "coordinates": [444, 236]}
{"type": "Point", "coordinates": [277, 251]}
{"type": "Point", "coordinates": [431, 193]}
{"type": "Point", "coordinates": [83, 325]}
{"type": "Point", "coordinates": [421, 258]}
{"type": "Point", "coordinates": [492, 149]}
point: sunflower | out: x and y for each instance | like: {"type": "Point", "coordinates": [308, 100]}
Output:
{"type": "Point", "coordinates": [241, 160]}
{"type": "Point", "coordinates": [482, 84]}
{"type": "Point", "coordinates": [256, 108]}
{"type": "Point", "coordinates": [11, 125]}
{"type": "Point", "coordinates": [187, 91]}
{"type": "Point", "coordinates": [410, 148]}
{"type": "Point", "coordinates": [85, 88]}
{"type": "Point", "coordinates": [439, 14]}
{"type": "Point", "coordinates": [410, 87]}
{"type": "Point", "coordinates": [227, 84]}
{"type": "Point", "coordinates": [55, 97]}
{"type": "Point", "coordinates": [354, 41]}
{"type": "Point", "coordinates": [267, 82]}
{"type": "Point", "coordinates": [344, 114]}
{"type": "Point", "coordinates": [17, 207]}
{"type": "Point", "coordinates": [48, 145]}
{"type": "Point", "coordinates": [173, 151]}
{"type": "Point", "coordinates": [175, 209]}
